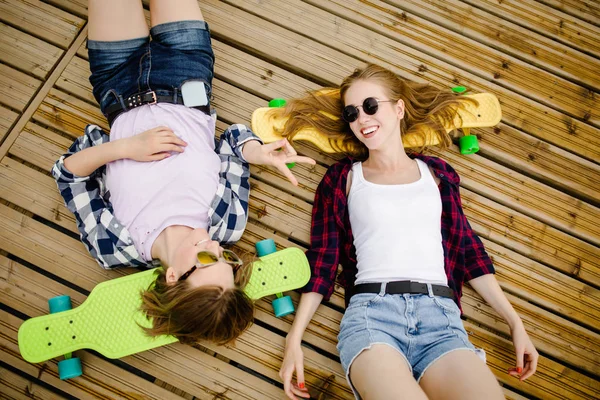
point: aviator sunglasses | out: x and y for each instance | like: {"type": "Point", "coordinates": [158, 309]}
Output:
{"type": "Point", "coordinates": [208, 258]}
{"type": "Point", "coordinates": [369, 106]}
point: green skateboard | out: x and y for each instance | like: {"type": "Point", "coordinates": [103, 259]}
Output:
{"type": "Point", "coordinates": [109, 320]}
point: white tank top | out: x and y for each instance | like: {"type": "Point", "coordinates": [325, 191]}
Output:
{"type": "Point", "coordinates": [397, 229]}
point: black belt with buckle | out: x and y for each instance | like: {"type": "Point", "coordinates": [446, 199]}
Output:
{"type": "Point", "coordinates": [401, 287]}
{"type": "Point", "coordinates": [140, 99]}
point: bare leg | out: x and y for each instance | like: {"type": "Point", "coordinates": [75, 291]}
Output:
{"type": "Point", "coordinates": [460, 375]}
{"type": "Point", "coordinates": [162, 11]}
{"type": "Point", "coordinates": [382, 373]}
{"type": "Point", "coordinates": [111, 20]}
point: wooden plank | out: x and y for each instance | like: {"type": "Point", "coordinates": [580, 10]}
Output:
{"type": "Point", "coordinates": [526, 114]}
{"type": "Point", "coordinates": [553, 335]}
{"type": "Point", "coordinates": [27, 53]}
{"type": "Point", "coordinates": [545, 162]}
{"type": "Point", "coordinates": [13, 386]}
{"type": "Point", "coordinates": [449, 47]}
{"type": "Point", "coordinates": [525, 195]}
{"type": "Point", "coordinates": [504, 35]}
{"type": "Point", "coordinates": [551, 380]}
{"type": "Point", "coordinates": [586, 10]}
{"type": "Point", "coordinates": [532, 238]}
{"type": "Point", "coordinates": [544, 286]}
{"type": "Point", "coordinates": [77, 7]}
{"type": "Point", "coordinates": [41, 20]}
{"type": "Point", "coordinates": [75, 79]}
{"type": "Point", "coordinates": [7, 119]}
{"type": "Point", "coordinates": [546, 21]}
{"type": "Point", "coordinates": [16, 88]}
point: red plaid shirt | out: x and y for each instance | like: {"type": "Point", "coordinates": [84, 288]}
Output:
{"type": "Point", "coordinates": [332, 242]}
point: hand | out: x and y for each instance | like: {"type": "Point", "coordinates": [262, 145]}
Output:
{"type": "Point", "coordinates": [152, 145]}
{"type": "Point", "coordinates": [527, 355]}
{"type": "Point", "coordinates": [267, 154]}
{"type": "Point", "coordinates": [293, 359]}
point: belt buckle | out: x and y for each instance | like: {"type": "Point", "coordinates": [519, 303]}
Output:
{"type": "Point", "coordinates": [153, 96]}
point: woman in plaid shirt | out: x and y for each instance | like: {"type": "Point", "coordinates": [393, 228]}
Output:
{"type": "Point", "coordinates": [159, 190]}
{"type": "Point", "coordinates": [396, 225]}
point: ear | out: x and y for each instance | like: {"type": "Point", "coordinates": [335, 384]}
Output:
{"type": "Point", "coordinates": [171, 275]}
{"type": "Point", "coordinates": [400, 108]}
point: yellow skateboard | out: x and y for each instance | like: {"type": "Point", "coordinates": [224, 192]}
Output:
{"type": "Point", "coordinates": [267, 123]}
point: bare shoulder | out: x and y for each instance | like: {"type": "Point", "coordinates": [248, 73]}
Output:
{"type": "Point", "coordinates": [349, 182]}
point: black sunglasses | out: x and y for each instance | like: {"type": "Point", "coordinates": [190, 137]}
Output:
{"type": "Point", "coordinates": [207, 259]}
{"type": "Point", "coordinates": [369, 106]}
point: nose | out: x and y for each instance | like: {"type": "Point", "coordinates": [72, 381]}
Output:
{"type": "Point", "coordinates": [213, 246]}
{"type": "Point", "coordinates": [363, 116]}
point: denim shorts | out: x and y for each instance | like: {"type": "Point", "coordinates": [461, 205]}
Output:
{"type": "Point", "coordinates": [178, 52]}
{"type": "Point", "coordinates": [421, 327]}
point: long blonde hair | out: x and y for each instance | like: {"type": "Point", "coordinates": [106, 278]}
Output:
{"type": "Point", "coordinates": [201, 313]}
{"type": "Point", "coordinates": [425, 107]}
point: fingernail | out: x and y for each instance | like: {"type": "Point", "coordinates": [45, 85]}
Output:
{"type": "Point", "coordinates": [519, 370]}
{"type": "Point", "coordinates": [301, 385]}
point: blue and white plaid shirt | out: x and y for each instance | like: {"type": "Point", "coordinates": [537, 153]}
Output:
{"type": "Point", "coordinates": [109, 241]}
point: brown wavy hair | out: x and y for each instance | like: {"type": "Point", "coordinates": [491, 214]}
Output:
{"type": "Point", "coordinates": [425, 107]}
{"type": "Point", "coordinates": [192, 314]}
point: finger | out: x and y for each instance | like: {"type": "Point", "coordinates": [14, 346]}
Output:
{"type": "Point", "coordinates": [275, 145]}
{"type": "Point", "coordinates": [173, 139]}
{"type": "Point", "coordinates": [159, 156]}
{"type": "Point", "coordinates": [300, 374]}
{"type": "Point", "coordinates": [162, 130]}
{"type": "Point", "coordinates": [288, 149]}
{"type": "Point", "coordinates": [300, 392]}
{"type": "Point", "coordinates": [532, 367]}
{"type": "Point", "coordinates": [286, 376]}
{"type": "Point", "coordinates": [171, 147]}
{"type": "Point", "coordinates": [520, 353]}
{"type": "Point", "coordinates": [300, 159]}
{"type": "Point", "coordinates": [287, 173]}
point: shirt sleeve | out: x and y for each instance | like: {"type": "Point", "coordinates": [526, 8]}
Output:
{"type": "Point", "coordinates": [228, 213]}
{"type": "Point", "coordinates": [324, 252]}
{"type": "Point", "coordinates": [107, 240]}
{"type": "Point", "coordinates": [477, 260]}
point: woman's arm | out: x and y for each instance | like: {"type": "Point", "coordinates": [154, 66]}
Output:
{"type": "Point", "coordinates": [86, 161]}
{"type": "Point", "coordinates": [527, 356]}
{"type": "Point", "coordinates": [293, 358]}
{"type": "Point", "coordinates": [323, 256]}
{"type": "Point", "coordinates": [277, 154]}
{"type": "Point", "coordinates": [152, 145]}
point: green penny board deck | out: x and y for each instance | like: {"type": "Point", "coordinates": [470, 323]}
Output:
{"type": "Point", "coordinates": [109, 320]}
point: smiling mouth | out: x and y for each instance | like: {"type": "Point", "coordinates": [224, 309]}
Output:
{"type": "Point", "coordinates": [369, 132]}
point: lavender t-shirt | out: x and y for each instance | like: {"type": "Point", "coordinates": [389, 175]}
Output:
{"type": "Point", "coordinates": [147, 197]}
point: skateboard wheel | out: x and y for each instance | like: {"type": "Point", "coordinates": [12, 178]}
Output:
{"type": "Point", "coordinates": [69, 368]}
{"type": "Point", "coordinates": [277, 103]}
{"type": "Point", "coordinates": [469, 144]}
{"type": "Point", "coordinates": [59, 303]}
{"type": "Point", "coordinates": [283, 306]}
{"type": "Point", "coordinates": [459, 89]}
{"type": "Point", "coordinates": [265, 247]}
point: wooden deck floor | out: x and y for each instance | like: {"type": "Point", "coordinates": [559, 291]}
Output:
{"type": "Point", "coordinates": [532, 193]}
